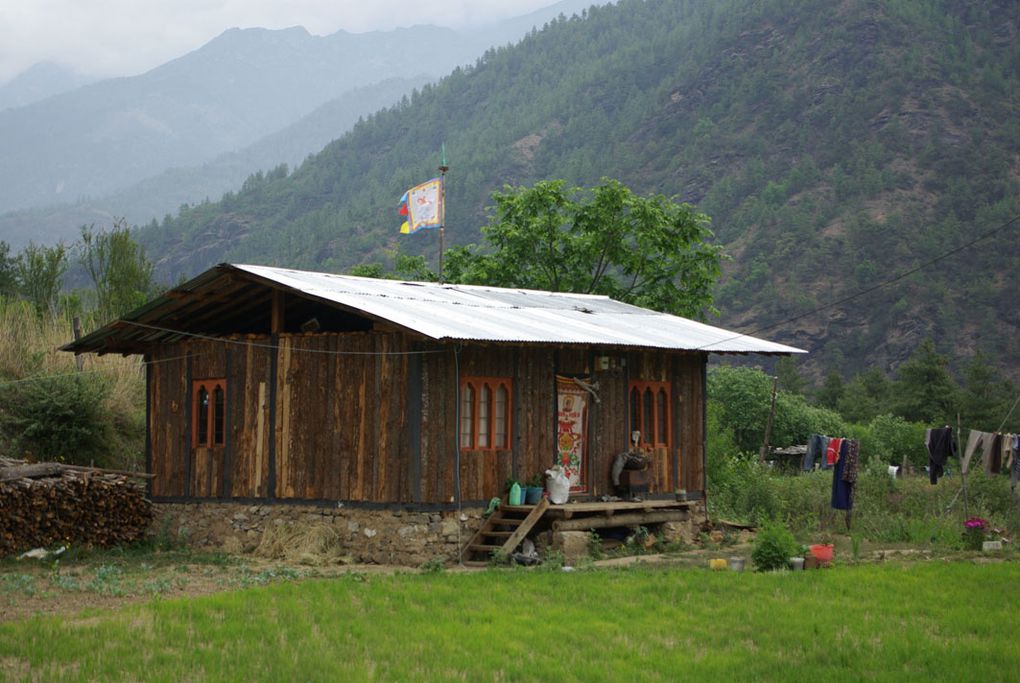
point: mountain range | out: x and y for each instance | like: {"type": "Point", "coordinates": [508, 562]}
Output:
{"type": "Point", "coordinates": [834, 146]}
{"type": "Point", "coordinates": [860, 162]}
{"type": "Point", "coordinates": [139, 147]}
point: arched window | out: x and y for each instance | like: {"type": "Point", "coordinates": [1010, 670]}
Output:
{"type": "Point", "coordinates": [209, 412]}
{"type": "Point", "coordinates": [651, 413]}
{"type": "Point", "coordinates": [485, 423]}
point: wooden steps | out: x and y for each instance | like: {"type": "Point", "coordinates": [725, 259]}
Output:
{"type": "Point", "coordinates": [502, 532]}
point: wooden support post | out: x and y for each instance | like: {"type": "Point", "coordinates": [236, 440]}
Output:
{"type": "Point", "coordinates": [963, 477]}
{"type": "Point", "coordinates": [278, 314]}
{"type": "Point", "coordinates": [79, 360]}
{"type": "Point", "coordinates": [768, 427]}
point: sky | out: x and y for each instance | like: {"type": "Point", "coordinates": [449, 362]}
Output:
{"type": "Point", "coordinates": [126, 37]}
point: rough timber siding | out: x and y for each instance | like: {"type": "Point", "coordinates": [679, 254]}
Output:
{"type": "Point", "coordinates": [168, 424]}
{"type": "Point", "coordinates": [688, 370]}
{"type": "Point", "coordinates": [341, 419]}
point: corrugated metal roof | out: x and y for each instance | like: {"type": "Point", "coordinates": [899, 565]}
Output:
{"type": "Point", "coordinates": [492, 314]}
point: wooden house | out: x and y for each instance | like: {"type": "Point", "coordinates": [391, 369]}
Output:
{"type": "Point", "coordinates": [275, 385]}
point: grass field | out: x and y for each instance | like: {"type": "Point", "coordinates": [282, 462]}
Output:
{"type": "Point", "coordinates": [921, 621]}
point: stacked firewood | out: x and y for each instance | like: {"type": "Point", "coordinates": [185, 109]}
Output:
{"type": "Point", "coordinates": [49, 504]}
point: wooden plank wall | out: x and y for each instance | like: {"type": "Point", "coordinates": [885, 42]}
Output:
{"type": "Point", "coordinates": [248, 417]}
{"type": "Point", "coordinates": [168, 427]}
{"type": "Point", "coordinates": [610, 429]}
{"type": "Point", "coordinates": [341, 429]}
{"type": "Point", "coordinates": [341, 418]}
{"type": "Point", "coordinates": [689, 385]}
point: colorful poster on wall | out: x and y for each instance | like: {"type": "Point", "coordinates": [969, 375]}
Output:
{"type": "Point", "coordinates": [572, 432]}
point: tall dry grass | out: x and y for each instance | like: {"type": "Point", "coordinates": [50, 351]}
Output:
{"type": "Point", "coordinates": [29, 351]}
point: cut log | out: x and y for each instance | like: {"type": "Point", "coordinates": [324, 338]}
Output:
{"type": "Point", "coordinates": [49, 504]}
{"type": "Point", "coordinates": [630, 519]}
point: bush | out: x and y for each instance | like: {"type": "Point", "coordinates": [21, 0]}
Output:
{"type": "Point", "coordinates": [739, 400]}
{"type": "Point", "coordinates": [742, 489]}
{"type": "Point", "coordinates": [892, 439]}
{"type": "Point", "coordinates": [56, 418]}
{"type": "Point", "coordinates": [773, 547]}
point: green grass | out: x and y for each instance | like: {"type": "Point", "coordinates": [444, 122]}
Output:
{"type": "Point", "coordinates": [925, 621]}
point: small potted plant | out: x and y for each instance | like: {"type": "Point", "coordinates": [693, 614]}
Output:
{"type": "Point", "coordinates": [535, 487]}
{"type": "Point", "coordinates": [974, 531]}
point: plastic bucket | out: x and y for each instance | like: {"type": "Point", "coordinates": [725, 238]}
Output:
{"type": "Point", "coordinates": [737, 564]}
{"type": "Point", "coordinates": [796, 563]}
{"type": "Point", "coordinates": [822, 552]}
{"type": "Point", "coordinates": [533, 495]}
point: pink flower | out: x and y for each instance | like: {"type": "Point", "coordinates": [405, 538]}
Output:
{"type": "Point", "coordinates": [976, 523]}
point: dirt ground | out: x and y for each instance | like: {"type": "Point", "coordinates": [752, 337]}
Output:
{"type": "Point", "coordinates": [67, 587]}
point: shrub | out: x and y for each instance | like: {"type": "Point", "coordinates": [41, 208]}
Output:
{"type": "Point", "coordinates": [55, 418]}
{"type": "Point", "coordinates": [892, 439]}
{"type": "Point", "coordinates": [773, 547]}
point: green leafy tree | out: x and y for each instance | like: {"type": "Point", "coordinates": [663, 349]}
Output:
{"type": "Point", "coordinates": [894, 440]}
{"type": "Point", "coordinates": [39, 272]}
{"type": "Point", "coordinates": [117, 266]}
{"type": "Point", "coordinates": [649, 251]}
{"type": "Point", "coordinates": [923, 391]}
{"type": "Point", "coordinates": [8, 275]}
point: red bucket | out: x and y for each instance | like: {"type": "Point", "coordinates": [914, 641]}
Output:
{"type": "Point", "coordinates": [822, 552]}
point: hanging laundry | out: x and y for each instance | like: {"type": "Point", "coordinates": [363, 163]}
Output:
{"type": "Point", "coordinates": [940, 446]}
{"type": "Point", "coordinates": [1009, 451]}
{"type": "Point", "coordinates": [993, 459]}
{"type": "Point", "coordinates": [843, 490]}
{"type": "Point", "coordinates": [1015, 475]}
{"type": "Point", "coordinates": [975, 440]}
{"type": "Point", "coordinates": [832, 451]}
{"type": "Point", "coordinates": [816, 446]}
{"type": "Point", "coordinates": [853, 452]}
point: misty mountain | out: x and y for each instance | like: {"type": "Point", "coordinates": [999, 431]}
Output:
{"type": "Point", "coordinates": [833, 147]}
{"type": "Point", "coordinates": [184, 116]}
{"type": "Point", "coordinates": [38, 82]}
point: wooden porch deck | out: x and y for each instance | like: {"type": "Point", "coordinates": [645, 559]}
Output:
{"type": "Point", "coordinates": [509, 525]}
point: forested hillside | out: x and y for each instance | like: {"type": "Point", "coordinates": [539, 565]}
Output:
{"type": "Point", "coordinates": [833, 145]}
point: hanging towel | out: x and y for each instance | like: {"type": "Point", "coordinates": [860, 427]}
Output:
{"type": "Point", "coordinates": [974, 440]}
{"type": "Point", "coordinates": [940, 447]}
{"type": "Point", "coordinates": [832, 451]}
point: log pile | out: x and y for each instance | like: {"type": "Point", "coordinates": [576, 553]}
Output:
{"type": "Point", "coordinates": [47, 504]}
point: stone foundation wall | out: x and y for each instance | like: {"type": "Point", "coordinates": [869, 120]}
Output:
{"type": "Point", "coordinates": [363, 536]}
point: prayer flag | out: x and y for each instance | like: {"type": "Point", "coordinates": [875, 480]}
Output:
{"type": "Point", "coordinates": [423, 206]}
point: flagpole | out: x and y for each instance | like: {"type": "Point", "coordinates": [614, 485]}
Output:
{"type": "Point", "coordinates": [443, 168]}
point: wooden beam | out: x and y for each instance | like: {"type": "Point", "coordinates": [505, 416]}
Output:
{"type": "Point", "coordinates": [278, 315]}
{"type": "Point", "coordinates": [632, 519]}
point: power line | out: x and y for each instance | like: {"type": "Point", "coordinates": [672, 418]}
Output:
{"type": "Point", "coordinates": [276, 347]}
